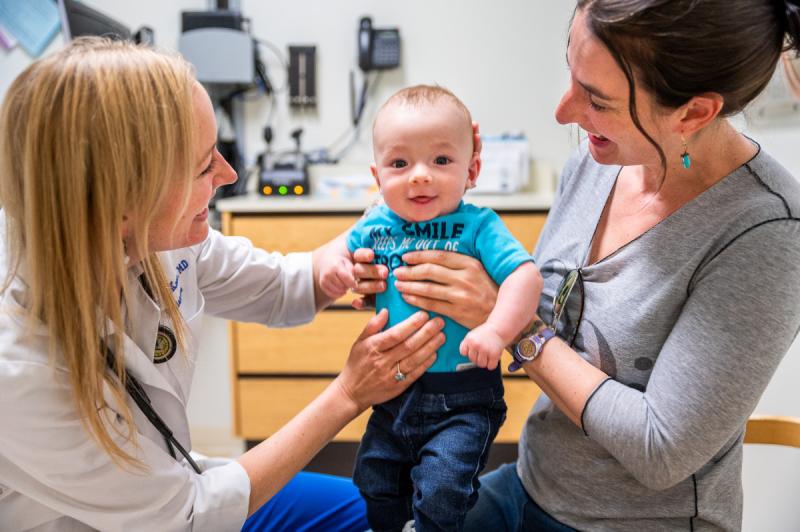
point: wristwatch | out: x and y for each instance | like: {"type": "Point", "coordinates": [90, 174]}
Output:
{"type": "Point", "coordinates": [530, 346]}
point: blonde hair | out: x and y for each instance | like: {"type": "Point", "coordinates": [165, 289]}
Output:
{"type": "Point", "coordinates": [418, 95]}
{"type": "Point", "coordinates": [97, 130]}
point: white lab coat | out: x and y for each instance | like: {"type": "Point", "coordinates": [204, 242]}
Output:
{"type": "Point", "coordinates": [53, 476]}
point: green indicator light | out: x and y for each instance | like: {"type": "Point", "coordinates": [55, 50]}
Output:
{"type": "Point", "coordinates": [282, 190]}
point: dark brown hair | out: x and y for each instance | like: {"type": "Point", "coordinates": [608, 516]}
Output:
{"type": "Point", "coordinates": [678, 49]}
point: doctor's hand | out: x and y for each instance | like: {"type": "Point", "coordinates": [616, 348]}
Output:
{"type": "Point", "coordinates": [447, 283]}
{"type": "Point", "coordinates": [382, 364]}
{"type": "Point", "coordinates": [370, 278]}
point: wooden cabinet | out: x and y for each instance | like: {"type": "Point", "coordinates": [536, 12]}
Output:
{"type": "Point", "coordinates": [276, 372]}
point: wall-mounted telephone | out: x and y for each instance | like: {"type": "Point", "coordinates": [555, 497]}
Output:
{"type": "Point", "coordinates": [378, 49]}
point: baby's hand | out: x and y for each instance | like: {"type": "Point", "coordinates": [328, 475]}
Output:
{"type": "Point", "coordinates": [483, 346]}
{"type": "Point", "coordinates": [336, 276]}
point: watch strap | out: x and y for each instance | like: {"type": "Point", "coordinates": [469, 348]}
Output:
{"type": "Point", "coordinates": [536, 342]}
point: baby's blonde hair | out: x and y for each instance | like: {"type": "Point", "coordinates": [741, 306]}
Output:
{"type": "Point", "coordinates": [418, 95]}
{"type": "Point", "coordinates": [97, 130]}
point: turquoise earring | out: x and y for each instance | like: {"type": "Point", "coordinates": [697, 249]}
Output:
{"type": "Point", "coordinates": [687, 162]}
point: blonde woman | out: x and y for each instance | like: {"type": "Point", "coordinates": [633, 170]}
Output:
{"type": "Point", "coordinates": [107, 164]}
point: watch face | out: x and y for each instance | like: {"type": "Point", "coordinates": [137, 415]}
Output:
{"type": "Point", "coordinates": [526, 347]}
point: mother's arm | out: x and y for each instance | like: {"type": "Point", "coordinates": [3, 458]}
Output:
{"type": "Point", "coordinates": [457, 286]}
{"type": "Point", "coordinates": [740, 318]}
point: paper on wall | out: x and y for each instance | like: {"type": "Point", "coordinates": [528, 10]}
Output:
{"type": "Point", "coordinates": [33, 23]}
{"type": "Point", "coordinates": [7, 40]}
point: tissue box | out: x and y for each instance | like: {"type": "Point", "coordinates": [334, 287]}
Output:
{"type": "Point", "coordinates": [505, 165]}
{"type": "Point", "coordinates": [342, 181]}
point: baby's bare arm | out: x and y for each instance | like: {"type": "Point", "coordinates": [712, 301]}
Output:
{"type": "Point", "coordinates": [517, 302]}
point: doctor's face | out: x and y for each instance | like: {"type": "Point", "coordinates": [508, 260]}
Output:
{"type": "Point", "coordinates": [175, 225]}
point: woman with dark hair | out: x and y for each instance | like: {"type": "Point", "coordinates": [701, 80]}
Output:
{"type": "Point", "coordinates": [670, 258]}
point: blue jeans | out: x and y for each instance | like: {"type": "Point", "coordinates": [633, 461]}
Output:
{"type": "Point", "coordinates": [505, 505]}
{"type": "Point", "coordinates": [422, 452]}
{"type": "Point", "coordinates": [312, 502]}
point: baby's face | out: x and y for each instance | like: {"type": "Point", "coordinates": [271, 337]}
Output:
{"type": "Point", "coordinates": [423, 158]}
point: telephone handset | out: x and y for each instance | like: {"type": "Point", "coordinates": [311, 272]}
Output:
{"type": "Point", "coordinates": [378, 49]}
{"type": "Point", "coordinates": [365, 44]}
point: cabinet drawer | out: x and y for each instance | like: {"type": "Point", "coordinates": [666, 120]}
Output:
{"type": "Point", "coordinates": [525, 227]}
{"type": "Point", "coordinates": [268, 404]}
{"type": "Point", "coordinates": [289, 234]}
{"type": "Point", "coordinates": [321, 346]}
{"type": "Point", "coordinates": [521, 393]}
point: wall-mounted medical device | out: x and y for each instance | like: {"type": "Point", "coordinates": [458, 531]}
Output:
{"type": "Point", "coordinates": [79, 20]}
{"type": "Point", "coordinates": [218, 47]}
{"type": "Point", "coordinates": [303, 76]}
{"type": "Point", "coordinates": [283, 174]}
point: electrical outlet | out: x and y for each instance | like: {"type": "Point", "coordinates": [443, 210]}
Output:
{"type": "Point", "coordinates": [303, 76]}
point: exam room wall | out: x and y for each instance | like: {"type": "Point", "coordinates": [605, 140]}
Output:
{"type": "Point", "coordinates": [506, 61]}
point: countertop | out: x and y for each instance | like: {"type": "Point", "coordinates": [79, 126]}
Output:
{"type": "Point", "coordinates": [253, 204]}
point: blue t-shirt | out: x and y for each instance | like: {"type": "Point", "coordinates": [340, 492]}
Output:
{"type": "Point", "coordinates": [475, 231]}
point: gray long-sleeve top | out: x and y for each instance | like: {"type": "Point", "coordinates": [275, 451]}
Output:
{"type": "Point", "coordinates": [690, 320]}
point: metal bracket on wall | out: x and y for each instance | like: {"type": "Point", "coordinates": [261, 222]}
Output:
{"type": "Point", "coordinates": [303, 76]}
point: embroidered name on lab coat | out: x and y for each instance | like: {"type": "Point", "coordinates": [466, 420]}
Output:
{"type": "Point", "coordinates": [175, 285]}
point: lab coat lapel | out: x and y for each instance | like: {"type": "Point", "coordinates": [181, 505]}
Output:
{"type": "Point", "coordinates": [163, 396]}
{"type": "Point", "coordinates": [144, 314]}
{"type": "Point", "coordinates": [139, 347]}
{"type": "Point", "coordinates": [141, 366]}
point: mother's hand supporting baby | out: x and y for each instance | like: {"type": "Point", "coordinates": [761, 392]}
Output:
{"type": "Point", "coordinates": [448, 283]}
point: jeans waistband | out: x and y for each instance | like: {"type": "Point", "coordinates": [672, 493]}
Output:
{"type": "Point", "coordinates": [447, 382]}
{"type": "Point", "coordinates": [460, 381]}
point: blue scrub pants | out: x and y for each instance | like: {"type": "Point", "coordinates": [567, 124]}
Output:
{"type": "Point", "coordinates": [311, 502]}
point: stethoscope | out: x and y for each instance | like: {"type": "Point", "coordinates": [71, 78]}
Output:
{"type": "Point", "coordinates": [142, 400]}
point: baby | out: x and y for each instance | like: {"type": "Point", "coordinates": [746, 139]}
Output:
{"type": "Point", "coordinates": [421, 454]}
